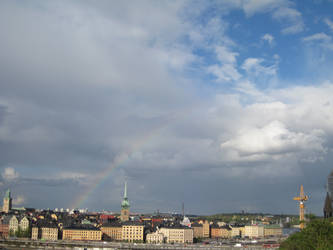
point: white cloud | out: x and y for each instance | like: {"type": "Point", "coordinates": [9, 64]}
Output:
{"type": "Point", "coordinates": [329, 23]}
{"type": "Point", "coordinates": [269, 38]}
{"type": "Point", "coordinates": [251, 7]}
{"type": "Point", "coordinates": [9, 174]}
{"type": "Point", "coordinates": [254, 66]}
{"type": "Point", "coordinates": [275, 139]}
{"type": "Point", "coordinates": [292, 19]}
{"type": "Point", "coordinates": [226, 70]}
{"type": "Point", "coordinates": [317, 37]}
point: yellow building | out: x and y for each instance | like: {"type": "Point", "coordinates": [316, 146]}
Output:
{"type": "Point", "coordinates": [112, 231]}
{"type": "Point", "coordinates": [34, 233]}
{"type": "Point", "coordinates": [237, 231]}
{"type": "Point", "coordinates": [177, 234]}
{"type": "Point", "coordinates": [132, 232]}
{"type": "Point", "coordinates": [206, 229]}
{"type": "Point", "coordinates": [86, 232]}
{"type": "Point", "coordinates": [197, 230]}
{"type": "Point", "coordinates": [272, 230]}
{"type": "Point", "coordinates": [254, 231]}
{"type": "Point", "coordinates": [45, 231]}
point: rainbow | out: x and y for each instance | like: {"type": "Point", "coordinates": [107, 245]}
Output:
{"type": "Point", "coordinates": [117, 162]}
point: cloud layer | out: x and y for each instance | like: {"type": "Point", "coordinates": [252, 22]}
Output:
{"type": "Point", "coordinates": [161, 93]}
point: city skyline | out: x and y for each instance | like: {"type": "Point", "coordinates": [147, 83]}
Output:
{"type": "Point", "coordinates": [223, 105]}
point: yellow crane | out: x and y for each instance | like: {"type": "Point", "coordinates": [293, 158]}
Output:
{"type": "Point", "coordinates": [301, 198]}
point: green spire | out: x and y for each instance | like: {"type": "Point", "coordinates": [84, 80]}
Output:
{"type": "Point", "coordinates": [125, 203]}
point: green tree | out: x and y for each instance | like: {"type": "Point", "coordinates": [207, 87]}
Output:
{"type": "Point", "coordinates": [318, 234]}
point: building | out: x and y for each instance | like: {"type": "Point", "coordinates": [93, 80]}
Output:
{"type": "Point", "coordinates": [35, 233]}
{"type": "Point", "coordinates": [112, 231]}
{"type": "Point", "coordinates": [155, 238]}
{"type": "Point", "coordinates": [13, 224]}
{"type": "Point", "coordinates": [237, 231]}
{"type": "Point", "coordinates": [4, 227]}
{"type": "Point", "coordinates": [254, 231]}
{"type": "Point", "coordinates": [133, 232]}
{"type": "Point", "coordinates": [177, 234]}
{"type": "Point", "coordinates": [45, 230]}
{"type": "Point", "coordinates": [7, 202]}
{"type": "Point", "coordinates": [80, 232]}
{"type": "Point", "coordinates": [206, 229]}
{"type": "Point", "coordinates": [125, 206]}
{"type": "Point", "coordinates": [328, 210]}
{"type": "Point", "coordinates": [220, 231]}
{"type": "Point", "coordinates": [272, 230]}
{"type": "Point", "coordinates": [197, 230]}
{"type": "Point", "coordinates": [24, 224]}
{"type": "Point", "coordinates": [215, 231]}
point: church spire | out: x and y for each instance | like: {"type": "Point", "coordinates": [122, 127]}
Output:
{"type": "Point", "coordinates": [125, 191]}
{"type": "Point", "coordinates": [125, 203]}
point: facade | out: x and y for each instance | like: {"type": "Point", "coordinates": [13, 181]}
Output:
{"type": "Point", "coordinates": [220, 232]}
{"type": "Point", "coordinates": [272, 230]}
{"type": "Point", "coordinates": [81, 233]}
{"type": "Point", "coordinates": [133, 232]}
{"type": "Point", "coordinates": [13, 224]}
{"type": "Point", "coordinates": [206, 229]}
{"type": "Point", "coordinates": [215, 231]}
{"type": "Point", "coordinates": [328, 210]}
{"type": "Point", "coordinates": [112, 231]}
{"type": "Point", "coordinates": [197, 230]}
{"type": "Point", "coordinates": [24, 223]}
{"type": "Point", "coordinates": [177, 234]}
{"type": "Point", "coordinates": [125, 206]}
{"type": "Point", "coordinates": [4, 227]}
{"type": "Point", "coordinates": [156, 238]}
{"type": "Point", "coordinates": [254, 231]}
{"type": "Point", "coordinates": [35, 233]}
{"type": "Point", "coordinates": [7, 202]}
{"type": "Point", "coordinates": [237, 231]}
{"type": "Point", "coordinates": [49, 233]}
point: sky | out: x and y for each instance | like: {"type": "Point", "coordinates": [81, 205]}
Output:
{"type": "Point", "coordinates": [223, 105]}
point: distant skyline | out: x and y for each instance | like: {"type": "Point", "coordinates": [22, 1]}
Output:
{"type": "Point", "coordinates": [223, 105]}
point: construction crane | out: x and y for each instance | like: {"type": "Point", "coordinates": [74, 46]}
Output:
{"type": "Point", "coordinates": [301, 198]}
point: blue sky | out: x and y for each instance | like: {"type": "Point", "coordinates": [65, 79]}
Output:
{"type": "Point", "coordinates": [229, 101]}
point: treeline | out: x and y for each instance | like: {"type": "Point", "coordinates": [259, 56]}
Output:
{"type": "Point", "coordinates": [318, 234]}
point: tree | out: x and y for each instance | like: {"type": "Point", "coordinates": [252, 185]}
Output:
{"type": "Point", "coordinates": [318, 234]}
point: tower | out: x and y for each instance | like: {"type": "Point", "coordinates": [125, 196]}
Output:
{"type": "Point", "coordinates": [7, 202]}
{"type": "Point", "coordinates": [125, 206]}
{"type": "Point", "coordinates": [328, 210]}
{"type": "Point", "coordinates": [301, 198]}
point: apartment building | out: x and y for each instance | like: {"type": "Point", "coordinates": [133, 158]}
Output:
{"type": "Point", "coordinates": [178, 234]}
{"type": "Point", "coordinates": [254, 231]}
{"type": "Point", "coordinates": [81, 232]}
{"type": "Point", "coordinates": [112, 231]}
{"type": "Point", "coordinates": [133, 232]}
